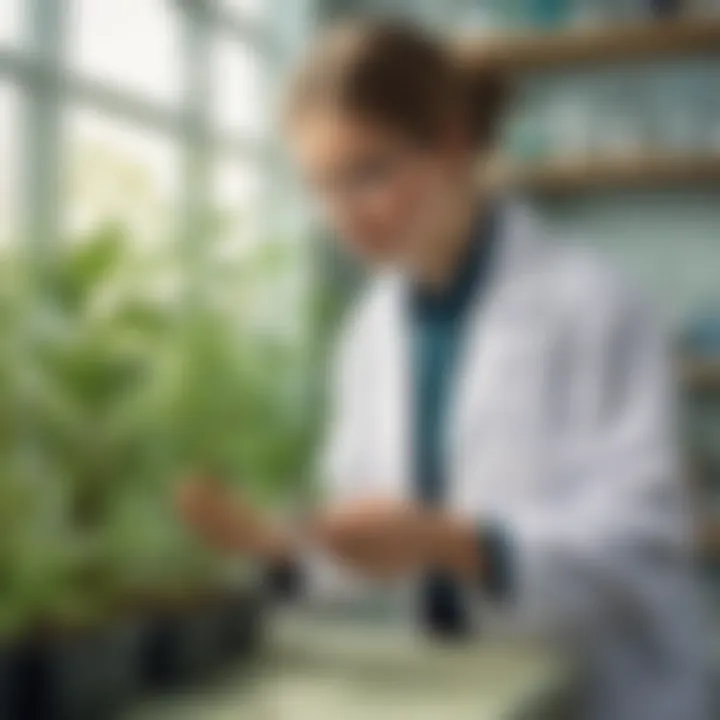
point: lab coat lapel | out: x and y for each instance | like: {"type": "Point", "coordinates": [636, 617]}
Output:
{"type": "Point", "coordinates": [492, 320]}
{"type": "Point", "coordinates": [394, 428]}
{"type": "Point", "coordinates": [475, 379]}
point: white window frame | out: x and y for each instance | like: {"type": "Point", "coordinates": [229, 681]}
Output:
{"type": "Point", "coordinates": [38, 67]}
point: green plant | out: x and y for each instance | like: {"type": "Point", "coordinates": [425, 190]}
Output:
{"type": "Point", "coordinates": [112, 392]}
{"type": "Point", "coordinates": [86, 378]}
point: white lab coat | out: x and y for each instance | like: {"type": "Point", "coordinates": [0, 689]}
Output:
{"type": "Point", "coordinates": [560, 431]}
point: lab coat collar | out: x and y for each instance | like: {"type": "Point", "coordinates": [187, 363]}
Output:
{"type": "Point", "coordinates": [518, 247]}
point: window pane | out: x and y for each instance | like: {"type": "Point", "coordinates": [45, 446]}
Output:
{"type": "Point", "coordinates": [10, 21]}
{"type": "Point", "coordinates": [266, 293]}
{"type": "Point", "coordinates": [247, 8]}
{"type": "Point", "coordinates": [238, 195]}
{"type": "Point", "coordinates": [240, 98]}
{"type": "Point", "coordinates": [133, 43]}
{"type": "Point", "coordinates": [9, 170]}
{"type": "Point", "coordinates": [115, 171]}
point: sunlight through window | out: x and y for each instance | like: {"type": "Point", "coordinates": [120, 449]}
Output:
{"type": "Point", "coordinates": [11, 12]}
{"type": "Point", "coordinates": [247, 8]}
{"type": "Point", "coordinates": [9, 132]}
{"type": "Point", "coordinates": [238, 191]}
{"type": "Point", "coordinates": [134, 44]}
{"type": "Point", "coordinates": [240, 101]}
{"type": "Point", "coordinates": [119, 172]}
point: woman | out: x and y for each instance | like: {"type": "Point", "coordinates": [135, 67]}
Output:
{"type": "Point", "coordinates": [502, 425]}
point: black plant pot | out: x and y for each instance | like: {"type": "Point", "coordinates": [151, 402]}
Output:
{"type": "Point", "coordinates": [7, 683]}
{"type": "Point", "coordinates": [77, 676]}
{"type": "Point", "coordinates": [120, 680]}
{"type": "Point", "coordinates": [181, 646]}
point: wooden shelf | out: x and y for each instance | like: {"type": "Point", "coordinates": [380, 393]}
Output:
{"type": "Point", "coordinates": [648, 41]}
{"type": "Point", "coordinates": [709, 540]}
{"type": "Point", "coordinates": [701, 375]}
{"type": "Point", "coordinates": [572, 176]}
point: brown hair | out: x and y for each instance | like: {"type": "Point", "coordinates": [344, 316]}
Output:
{"type": "Point", "coordinates": [402, 78]}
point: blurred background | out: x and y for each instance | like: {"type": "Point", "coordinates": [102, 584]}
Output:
{"type": "Point", "coordinates": [166, 302]}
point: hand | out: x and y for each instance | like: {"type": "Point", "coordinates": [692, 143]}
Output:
{"type": "Point", "coordinates": [226, 521]}
{"type": "Point", "coordinates": [384, 538]}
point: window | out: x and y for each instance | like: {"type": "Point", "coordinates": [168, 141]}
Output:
{"type": "Point", "coordinates": [133, 44]}
{"type": "Point", "coordinates": [9, 127]}
{"type": "Point", "coordinates": [10, 21]}
{"type": "Point", "coordinates": [116, 171]}
{"type": "Point", "coordinates": [240, 102]}
{"type": "Point", "coordinates": [246, 8]}
{"type": "Point", "coordinates": [238, 189]}
{"type": "Point", "coordinates": [115, 130]}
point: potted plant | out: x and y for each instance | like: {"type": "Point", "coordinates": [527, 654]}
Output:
{"type": "Point", "coordinates": [79, 363]}
{"type": "Point", "coordinates": [110, 392]}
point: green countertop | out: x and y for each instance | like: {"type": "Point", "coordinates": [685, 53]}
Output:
{"type": "Point", "coordinates": [340, 670]}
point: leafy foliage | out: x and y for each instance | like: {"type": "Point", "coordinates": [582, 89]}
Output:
{"type": "Point", "coordinates": [111, 392]}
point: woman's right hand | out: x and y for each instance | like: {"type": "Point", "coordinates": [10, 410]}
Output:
{"type": "Point", "coordinates": [226, 521]}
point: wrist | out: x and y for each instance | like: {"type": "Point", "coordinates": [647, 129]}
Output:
{"type": "Point", "coordinates": [452, 546]}
{"type": "Point", "coordinates": [274, 546]}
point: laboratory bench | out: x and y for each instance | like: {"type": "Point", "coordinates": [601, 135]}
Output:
{"type": "Point", "coordinates": [323, 668]}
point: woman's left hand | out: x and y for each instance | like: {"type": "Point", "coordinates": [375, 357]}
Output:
{"type": "Point", "coordinates": [385, 538]}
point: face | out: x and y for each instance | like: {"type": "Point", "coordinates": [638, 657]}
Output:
{"type": "Point", "coordinates": [384, 197]}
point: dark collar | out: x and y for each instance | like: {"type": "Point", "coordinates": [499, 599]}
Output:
{"type": "Point", "coordinates": [468, 279]}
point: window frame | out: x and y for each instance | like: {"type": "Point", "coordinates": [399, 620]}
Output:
{"type": "Point", "coordinates": [38, 66]}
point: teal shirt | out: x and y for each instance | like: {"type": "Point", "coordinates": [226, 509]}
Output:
{"type": "Point", "coordinates": [438, 334]}
{"type": "Point", "coordinates": [438, 330]}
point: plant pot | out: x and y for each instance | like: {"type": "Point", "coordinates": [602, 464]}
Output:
{"type": "Point", "coordinates": [242, 620]}
{"type": "Point", "coordinates": [8, 664]}
{"type": "Point", "coordinates": [58, 677]}
{"type": "Point", "coordinates": [181, 645]}
{"type": "Point", "coordinates": [119, 672]}
{"type": "Point", "coordinates": [77, 676]}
